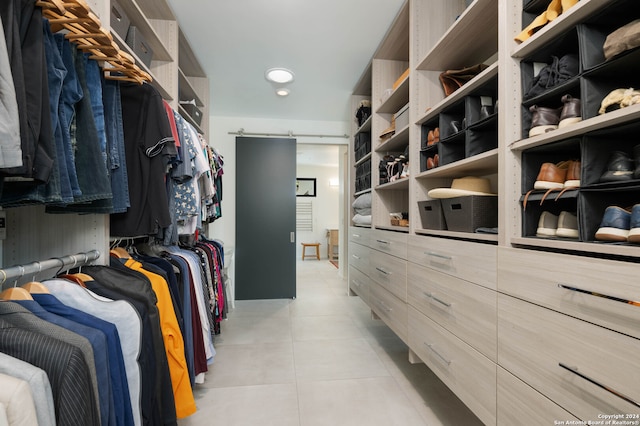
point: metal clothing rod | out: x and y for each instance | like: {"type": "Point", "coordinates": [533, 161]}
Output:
{"type": "Point", "coordinates": [71, 261]}
{"type": "Point", "coordinates": [241, 132]}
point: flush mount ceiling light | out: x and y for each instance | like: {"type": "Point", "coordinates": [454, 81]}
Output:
{"type": "Point", "coordinates": [282, 92]}
{"type": "Point", "coordinates": [279, 75]}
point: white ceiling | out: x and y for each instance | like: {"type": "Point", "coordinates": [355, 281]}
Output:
{"type": "Point", "coordinates": [327, 44]}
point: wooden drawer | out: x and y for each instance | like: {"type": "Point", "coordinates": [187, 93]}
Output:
{"type": "Point", "coordinates": [394, 243]}
{"type": "Point", "coordinates": [539, 346]}
{"type": "Point", "coordinates": [390, 272]}
{"type": "Point", "coordinates": [473, 262]}
{"type": "Point", "coordinates": [359, 235]}
{"type": "Point", "coordinates": [538, 276]}
{"type": "Point", "coordinates": [359, 284]}
{"type": "Point", "coordinates": [467, 310]}
{"type": "Point", "coordinates": [468, 373]}
{"type": "Point", "coordinates": [390, 309]}
{"type": "Point", "coordinates": [359, 257]}
{"type": "Point", "coordinates": [520, 404]}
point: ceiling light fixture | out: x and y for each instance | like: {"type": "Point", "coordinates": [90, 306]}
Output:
{"type": "Point", "coordinates": [279, 75]}
{"type": "Point", "coordinates": [282, 92]}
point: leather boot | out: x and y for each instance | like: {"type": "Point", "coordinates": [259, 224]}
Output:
{"type": "Point", "coordinates": [543, 119]}
{"type": "Point", "coordinates": [571, 112]}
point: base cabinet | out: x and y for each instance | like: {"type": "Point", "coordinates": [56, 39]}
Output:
{"type": "Point", "coordinates": [467, 372]}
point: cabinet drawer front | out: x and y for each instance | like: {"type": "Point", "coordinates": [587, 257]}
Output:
{"type": "Point", "coordinates": [359, 284]}
{"type": "Point", "coordinates": [394, 243]}
{"type": "Point", "coordinates": [359, 257]}
{"type": "Point", "coordinates": [465, 309]}
{"type": "Point", "coordinates": [473, 262]}
{"type": "Point", "coordinates": [390, 272]}
{"type": "Point", "coordinates": [519, 404]}
{"type": "Point", "coordinates": [562, 357]}
{"type": "Point", "coordinates": [568, 284]}
{"type": "Point", "coordinates": [468, 373]}
{"type": "Point", "coordinates": [359, 235]}
{"type": "Point", "coordinates": [390, 309]}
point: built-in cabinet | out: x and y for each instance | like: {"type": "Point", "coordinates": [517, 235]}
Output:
{"type": "Point", "coordinates": [176, 73]}
{"type": "Point", "coordinates": [524, 330]}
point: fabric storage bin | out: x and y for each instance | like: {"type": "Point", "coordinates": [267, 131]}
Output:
{"type": "Point", "coordinates": [452, 150]}
{"type": "Point", "coordinates": [424, 133]}
{"type": "Point", "coordinates": [531, 214]}
{"type": "Point", "coordinates": [484, 95]}
{"type": "Point", "coordinates": [402, 117]}
{"type": "Point", "coordinates": [482, 136]}
{"type": "Point", "coordinates": [140, 47]}
{"type": "Point", "coordinates": [455, 113]}
{"type": "Point", "coordinates": [597, 148]}
{"type": "Point", "coordinates": [532, 159]}
{"type": "Point", "coordinates": [431, 151]}
{"type": "Point", "coordinates": [362, 145]}
{"type": "Point", "coordinates": [593, 203]}
{"type": "Point", "coordinates": [594, 31]}
{"type": "Point", "coordinates": [119, 20]}
{"type": "Point", "coordinates": [468, 213]}
{"type": "Point", "coordinates": [561, 46]}
{"type": "Point", "coordinates": [431, 214]}
{"type": "Point", "coordinates": [193, 111]}
{"type": "Point", "coordinates": [619, 73]}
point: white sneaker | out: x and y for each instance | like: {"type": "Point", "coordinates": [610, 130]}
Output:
{"type": "Point", "coordinates": [547, 225]}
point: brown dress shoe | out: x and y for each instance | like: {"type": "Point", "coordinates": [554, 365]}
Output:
{"type": "Point", "coordinates": [552, 176]}
{"type": "Point", "coordinates": [571, 112]}
{"type": "Point", "coordinates": [430, 138]}
{"type": "Point", "coordinates": [573, 174]}
{"type": "Point", "coordinates": [436, 160]}
{"type": "Point", "coordinates": [543, 120]}
{"type": "Point", "coordinates": [430, 163]}
{"type": "Point", "coordinates": [436, 135]}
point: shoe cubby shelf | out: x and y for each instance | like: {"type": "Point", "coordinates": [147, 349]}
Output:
{"type": "Point", "coordinates": [613, 118]}
{"type": "Point", "coordinates": [396, 100]}
{"type": "Point", "coordinates": [610, 249]}
{"type": "Point", "coordinates": [473, 85]}
{"type": "Point", "coordinates": [363, 159]}
{"type": "Point", "coordinates": [366, 126]}
{"type": "Point", "coordinates": [478, 165]}
{"type": "Point", "coordinates": [567, 20]}
{"type": "Point", "coordinates": [397, 142]}
{"type": "Point", "coordinates": [471, 39]}
{"type": "Point", "coordinates": [486, 238]}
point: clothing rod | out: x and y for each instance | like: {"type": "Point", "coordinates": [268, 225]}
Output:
{"type": "Point", "coordinates": [17, 271]}
{"type": "Point", "coordinates": [241, 132]}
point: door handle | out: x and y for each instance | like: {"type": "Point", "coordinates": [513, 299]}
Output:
{"type": "Point", "coordinates": [292, 236]}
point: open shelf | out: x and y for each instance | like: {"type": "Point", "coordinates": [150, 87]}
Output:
{"type": "Point", "coordinates": [470, 40]}
{"type": "Point", "coordinates": [140, 20]}
{"type": "Point", "coordinates": [402, 183]}
{"type": "Point", "coordinates": [396, 142]}
{"type": "Point", "coordinates": [187, 91]}
{"type": "Point", "coordinates": [481, 164]}
{"type": "Point", "coordinates": [397, 100]}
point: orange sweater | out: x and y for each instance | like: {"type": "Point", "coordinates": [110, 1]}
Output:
{"type": "Point", "coordinates": [173, 342]}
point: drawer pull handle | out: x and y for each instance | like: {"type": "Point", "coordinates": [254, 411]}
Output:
{"type": "Point", "coordinates": [355, 257]}
{"type": "Point", "coordinates": [383, 306]}
{"type": "Point", "coordinates": [383, 271]}
{"type": "Point", "coordinates": [446, 361]}
{"type": "Point", "coordinates": [383, 242]}
{"type": "Point", "coordinates": [600, 385]}
{"type": "Point", "coordinates": [439, 256]}
{"type": "Point", "coordinates": [605, 296]}
{"type": "Point", "coordinates": [431, 296]}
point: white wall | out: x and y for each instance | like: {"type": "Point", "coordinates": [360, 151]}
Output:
{"type": "Point", "coordinates": [326, 205]}
{"type": "Point", "coordinates": [224, 228]}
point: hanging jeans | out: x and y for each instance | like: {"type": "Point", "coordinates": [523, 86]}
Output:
{"type": "Point", "coordinates": [115, 142]}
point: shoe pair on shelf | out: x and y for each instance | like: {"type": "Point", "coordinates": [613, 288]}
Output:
{"type": "Point", "coordinates": [545, 119]}
{"type": "Point", "coordinates": [433, 137]}
{"type": "Point", "coordinates": [621, 167]}
{"type": "Point", "coordinates": [433, 162]}
{"type": "Point", "coordinates": [398, 168]}
{"type": "Point", "coordinates": [561, 176]}
{"type": "Point", "coordinates": [565, 225]}
{"type": "Point", "coordinates": [620, 224]}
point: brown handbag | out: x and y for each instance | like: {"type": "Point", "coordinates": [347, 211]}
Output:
{"type": "Point", "coordinates": [452, 80]}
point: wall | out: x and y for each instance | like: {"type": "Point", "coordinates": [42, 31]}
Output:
{"type": "Point", "coordinates": [326, 205]}
{"type": "Point", "coordinates": [224, 228]}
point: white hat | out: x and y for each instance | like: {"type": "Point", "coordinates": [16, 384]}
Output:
{"type": "Point", "coordinates": [460, 187]}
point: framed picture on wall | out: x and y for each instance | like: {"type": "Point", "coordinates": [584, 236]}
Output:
{"type": "Point", "coordinates": [305, 187]}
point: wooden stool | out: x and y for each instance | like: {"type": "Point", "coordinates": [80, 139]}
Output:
{"type": "Point", "coordinates": [314, 245]}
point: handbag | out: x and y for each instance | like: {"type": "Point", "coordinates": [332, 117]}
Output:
{"type": "Point", "coordinates": [452, 80]}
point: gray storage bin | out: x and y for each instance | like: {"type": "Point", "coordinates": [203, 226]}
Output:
{"type": "Point", "coordinates": [466, 214]}
{"type": "Point", "coordinates": [402, 117]}
{"type": "Point", "coordinates": [431, 215]}
{"type": "Point", "coordinates": [119, 20]}
{"type": "Point", "coordinates": [194, 112]}
{"type": "Point", "coordinates": [140, 47]}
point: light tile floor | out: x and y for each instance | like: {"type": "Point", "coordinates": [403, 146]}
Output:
{"type": "Point", "coordinates": [318, 360]}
